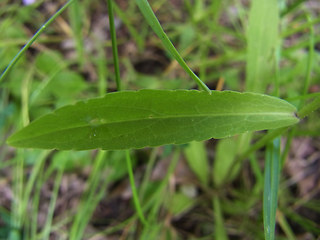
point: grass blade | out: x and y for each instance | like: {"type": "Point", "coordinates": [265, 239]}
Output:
{"type": "Point", "coordinates": [152, 20]}
{"type": "Point", "coordinates": [262, 43]}
{"type": "Point", "coordinates": [271, 185]}
{"type": "Point", "coordinates": [35, 36]}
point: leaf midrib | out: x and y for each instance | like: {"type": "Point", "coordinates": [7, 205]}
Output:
{"type": "Point", "coordinates": [159, 118]}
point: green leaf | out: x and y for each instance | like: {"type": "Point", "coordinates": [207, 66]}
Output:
{"type": "Point", "coordinates": [271, 186]}
{"type": "Point", "coordinates": [262, 43]}
{"type": "Point", "coordinates": [137, 119]}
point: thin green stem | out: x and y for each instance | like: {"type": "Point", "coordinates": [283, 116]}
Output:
{"type": "Point", "coordinates": [285, 226]}
{"type": "Point", "coordinates": [152, 20]}
{"type": "Point", "coordinates": [117, 76]}
{"type": "Point", "coordinates": [271, 186]}
{"type": "Point", "coordinates": [134, 190]}
{"type": "Point", "coordinates": [114, 45]}
{"type": "Point", "coordinates": [35, 36]}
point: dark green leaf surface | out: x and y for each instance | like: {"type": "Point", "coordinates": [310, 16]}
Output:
{"type": "Point", "coordinates": [137, 119]}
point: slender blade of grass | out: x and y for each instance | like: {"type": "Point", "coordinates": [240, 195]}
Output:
{"type": "Point", "coordinates": [271, 185]}
{"type": "Point", "coordinates": [285, 226]}
{"type": "Point", "coordinates": [262, 41]}
{"type": "Point", "coordinates": [35, 36]}
{"type": "Point", "coordinates": [118, 82]}
{"type": "Point", "coordinates": [152, 20]}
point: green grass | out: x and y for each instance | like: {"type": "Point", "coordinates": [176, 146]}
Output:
{"type": "Point", "coordinates": [200, 190]}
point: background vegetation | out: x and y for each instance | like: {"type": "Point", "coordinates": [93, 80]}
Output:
{"type": "Point", "coordinates": [186, 192]}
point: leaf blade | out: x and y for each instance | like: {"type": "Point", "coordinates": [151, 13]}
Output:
{"type": "Point", "coordinates": [137, 119]}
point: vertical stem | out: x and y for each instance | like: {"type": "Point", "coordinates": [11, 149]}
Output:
{"type": "Point", "coordinates": [35, 36]}
{"type": "Point", "coordinates": [152, 20]}
{"type": "Point", "coordinates": [117, 76]}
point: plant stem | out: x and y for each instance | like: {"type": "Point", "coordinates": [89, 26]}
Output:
{"type": "Point", "coordinates": [271, 186]}
{"type": "Point", "coordinates": [117, 76]}
{"type": "Point", "coordinates": [156, 27]}
{"type": "Point", "coordinates": [35, 36]}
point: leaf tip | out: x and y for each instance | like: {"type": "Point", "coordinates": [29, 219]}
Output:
{"type": "Point", "coordinates": [10, 140]}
